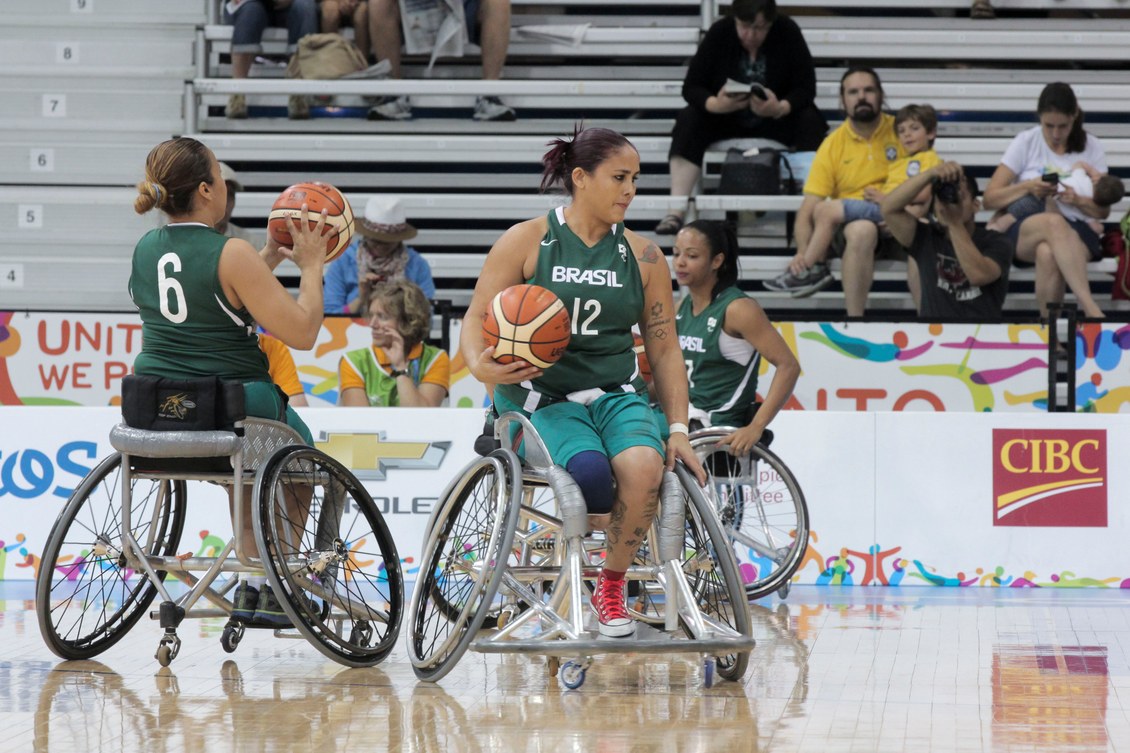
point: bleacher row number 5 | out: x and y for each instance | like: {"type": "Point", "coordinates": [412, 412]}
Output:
{"type": "Point", "coordinates": [30, 216]}
{"type": "Point", "coordinates": [54, 105]}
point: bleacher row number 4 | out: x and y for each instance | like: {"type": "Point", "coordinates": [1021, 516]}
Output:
{"type": "Point", "coordinates": [11, 276]}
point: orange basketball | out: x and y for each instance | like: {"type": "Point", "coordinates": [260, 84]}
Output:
{"type": "Point", "coordinates": [641, 357]}
{"type": "Point", "coordinates": [527, 323]}
{"type": "Point", "coordinates": [316, 197]}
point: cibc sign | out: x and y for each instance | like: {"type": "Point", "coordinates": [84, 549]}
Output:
{"type": "Point", "coordinates": [1051, 478]}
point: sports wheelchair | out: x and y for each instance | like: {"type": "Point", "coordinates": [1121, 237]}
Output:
{"type": "Point", "coordinates": [329, 556]}
{"type": "Point", "coordinates": [508, 565]}
{"type": "Point", "coordinates": [761, 507]}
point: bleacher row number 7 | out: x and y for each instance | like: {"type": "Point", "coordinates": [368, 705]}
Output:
{"type": "Point", "coordinates": [54, 105]}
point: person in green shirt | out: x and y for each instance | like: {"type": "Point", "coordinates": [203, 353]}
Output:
{"type": "Point", "coordinates": [590, 408]}
{"type": "Point", "coordinates": [199, 294]}
{"type": "Point", "coordinates": [723, 335]}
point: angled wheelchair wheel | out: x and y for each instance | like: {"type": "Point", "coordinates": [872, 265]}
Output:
{"type": "Point", "coordinates": [469, 541]}
{"type": "Point", "coordinates": [329, 556]}
{"type": "Point", "coordinates": [761, 508]}
{"type": "Point", "coordinates": [713, 572]}
{"type": "Point", "coordinates": [87, 594]}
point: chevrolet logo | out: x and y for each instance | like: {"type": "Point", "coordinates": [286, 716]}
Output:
{"type": "Point", "coordinates": [370, 457]}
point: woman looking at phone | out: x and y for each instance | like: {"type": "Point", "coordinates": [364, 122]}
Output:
{"type": "Point", "coordinates": [752, 45]}
{"type": "Point", "coordinates": [1059, 243]}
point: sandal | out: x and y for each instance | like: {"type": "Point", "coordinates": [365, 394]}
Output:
{"type": "Point", "coordinates": [982, 9]}
{"type": "Point", "coordinates": [669, 225]}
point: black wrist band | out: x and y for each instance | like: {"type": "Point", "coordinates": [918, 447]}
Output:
{"type": "Point", "coordinates": [394, 373]}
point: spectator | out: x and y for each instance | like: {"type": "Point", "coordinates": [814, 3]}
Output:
{"type": "Point", "coordinates": [250, 19]}
{"type": "Point", "coordinates": [492, 32]}
{"type": "Point", "coordinates": [355, 13]}
{"type": "Point", "coordinates": [400, 369]}
{"type": "Point", "coordinates": [854, 156]}
{"type": "Point", "coordinates": [280, 365]}
{"type": "Point", "coordinates": [917, 125]}
{"type": "Point", "coordinates": [377, 254]}
{"type": "Point", "coordinates": [982, 9]}
{"type": "Point", "coordinates": [226, 226]}
{"type": "Point", "coordinates": [963, 270]}
{"type": "Point", "coordinates": [753, 45]}
{"type": "Point", "coordinates": [1059, 243]}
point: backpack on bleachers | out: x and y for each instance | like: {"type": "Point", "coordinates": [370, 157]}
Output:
{"type": "Point", "coordinates": [325, 56]}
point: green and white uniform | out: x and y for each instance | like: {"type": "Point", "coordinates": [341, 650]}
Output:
{"type": "Point", "coordinates": [721, 370]}
{"type": "Point", "coordinates": [602, 290]}
{"type": "Point", "coordinates": [189, 328]}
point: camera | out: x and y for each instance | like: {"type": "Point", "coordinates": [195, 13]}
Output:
{"type": "Point", "coordinates": [947, 191]}
{"type": "Point", "coordinates": [1052, 178]}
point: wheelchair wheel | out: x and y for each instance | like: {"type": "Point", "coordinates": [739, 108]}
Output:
{"type": "Point", "coordinates": [87, 596]}
{"type": "Point", "coordinates": [329, 556]}
{"type": "Point", "coordinates": [472, 533]}
{"type": "Point", "coordinates": [762, 509]}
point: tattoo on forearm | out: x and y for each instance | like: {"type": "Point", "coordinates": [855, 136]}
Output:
{"type": "Point", "coordinates": [651, 254]}
{"type": "Point", "coordinates": [659, 322]}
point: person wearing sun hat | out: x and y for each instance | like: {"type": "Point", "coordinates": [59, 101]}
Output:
{"type": "Point", "coordinates": [377, 254]}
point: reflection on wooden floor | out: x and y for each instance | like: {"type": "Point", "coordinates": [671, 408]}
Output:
{"type": "Point", "coordinates": [867, 669]}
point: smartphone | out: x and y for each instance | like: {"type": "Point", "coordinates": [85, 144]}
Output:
{"type": "Point", "coordinates": [758, 91]}
{"type": "Point", "coordinates": [1052, 178]}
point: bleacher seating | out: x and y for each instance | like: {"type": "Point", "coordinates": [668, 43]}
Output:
{"type": "Point", "coordinates": [131, 79]}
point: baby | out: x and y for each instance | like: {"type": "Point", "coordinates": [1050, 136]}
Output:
{"type": "Point", "coordinates": [1087, 182]}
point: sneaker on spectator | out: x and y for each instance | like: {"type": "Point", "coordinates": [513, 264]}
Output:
{"type": "Point", "coordinates": [244, 602]}
{"type": "Point", "coordinates": [611, 612]}
{"type": "Point", "coordinates": [491, 108]}
{"type": "Point", "coordinates": [237, 107]}
{"type": "Point", "coordinates": [391, 108]}
{"type": "Point", "coordinates": [816, 277]}
{"type": "Point", "coordinates": [297, 108]}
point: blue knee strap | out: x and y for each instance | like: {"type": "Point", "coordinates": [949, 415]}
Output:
{"type": "Point", "coordinates": [593, 473]}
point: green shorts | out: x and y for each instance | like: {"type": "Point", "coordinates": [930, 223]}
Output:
{"type": "Point", "coordinates": [609, 425]}
{"type": "Point", "coordinates": [265, 400]}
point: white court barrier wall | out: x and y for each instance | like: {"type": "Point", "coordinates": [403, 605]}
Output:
{"type": "Point", "coordinates": [52, 358]}
{"type": "Point", "coordinates": [994, 499]}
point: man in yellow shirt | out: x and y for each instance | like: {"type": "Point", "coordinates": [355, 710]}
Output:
{"type": "Point", "coordinates": [854, 157]}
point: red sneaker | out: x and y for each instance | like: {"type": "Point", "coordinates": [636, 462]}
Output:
{"type": "Point", "coordinates": [608, 603]}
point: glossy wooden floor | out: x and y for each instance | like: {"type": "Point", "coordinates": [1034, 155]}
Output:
{"type": "Point", "coordinates": [852, 669]}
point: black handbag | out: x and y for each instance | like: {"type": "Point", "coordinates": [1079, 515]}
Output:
{"type": "Point", "coordinates": [754, 174]}
{"type": "Point", "coordinates": [160, 404]}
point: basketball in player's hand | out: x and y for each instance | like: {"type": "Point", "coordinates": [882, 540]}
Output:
{"type": "Point", "coordinates": [527, 323]}
{"type": "Point", "coordinates": [316, 197]}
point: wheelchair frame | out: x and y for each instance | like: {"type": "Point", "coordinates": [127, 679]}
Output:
{"type": "Point", "coordinates": [297, 565]}
{"type": "Point", "coordinates": [777, 538]}
{"type": "Point", "coordinates": [536, 601]}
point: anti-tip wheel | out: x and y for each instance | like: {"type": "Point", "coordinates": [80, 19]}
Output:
{"type": "Point", "coordinates": [572, 675]}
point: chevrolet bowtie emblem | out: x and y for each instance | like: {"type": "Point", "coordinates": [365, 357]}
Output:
{"type": "Point", "coordinates": [370, 457]}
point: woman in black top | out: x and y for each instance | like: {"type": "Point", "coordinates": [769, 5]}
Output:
{"type": "Point", "coordinates": [755, 45]}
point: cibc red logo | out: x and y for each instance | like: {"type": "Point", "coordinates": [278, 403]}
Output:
{"type": "Point", "coordinates": [1049, 478]}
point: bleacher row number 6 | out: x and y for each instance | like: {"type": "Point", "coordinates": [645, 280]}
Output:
{"type": "Point", "coordinates": [41, 160]}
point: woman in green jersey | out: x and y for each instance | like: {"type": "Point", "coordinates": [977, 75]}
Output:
{"type": "Point", "coordinates": [723, 334]}
{"type": "Point", "coordinates": [591, 407]}
{"type": "Point", "coordinates": [200, 293]}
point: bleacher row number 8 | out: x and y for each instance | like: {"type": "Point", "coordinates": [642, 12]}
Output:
{"type": "Point", "coordinates": [66, 53]}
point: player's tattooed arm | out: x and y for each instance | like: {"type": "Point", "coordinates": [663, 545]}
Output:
{"type": "Point", "coordinates": [651, 254]}
{"type": "Point", "coordinates": [658, 321]}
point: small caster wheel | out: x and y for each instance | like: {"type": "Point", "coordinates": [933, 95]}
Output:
{"type": "Point", "coordinates": [572, 675]}
{"type": "Point", "coordinates": [552, 665]}
{"type": "Point", "coordinates": [783, 591]}
{"type": "Point", "coordinates": [232, 635]}
{"type": "Point", "coordinates": [361, 634]}
{"type": "Point", "coordinates": [167, 649]}
{"type": "Point", "coordinates": [708, 665]}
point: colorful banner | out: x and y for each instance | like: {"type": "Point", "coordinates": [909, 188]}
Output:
{"type": "Point", "coordinates": [79, 359]}
{"type": "Point", "coordinates": [893, 498]}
